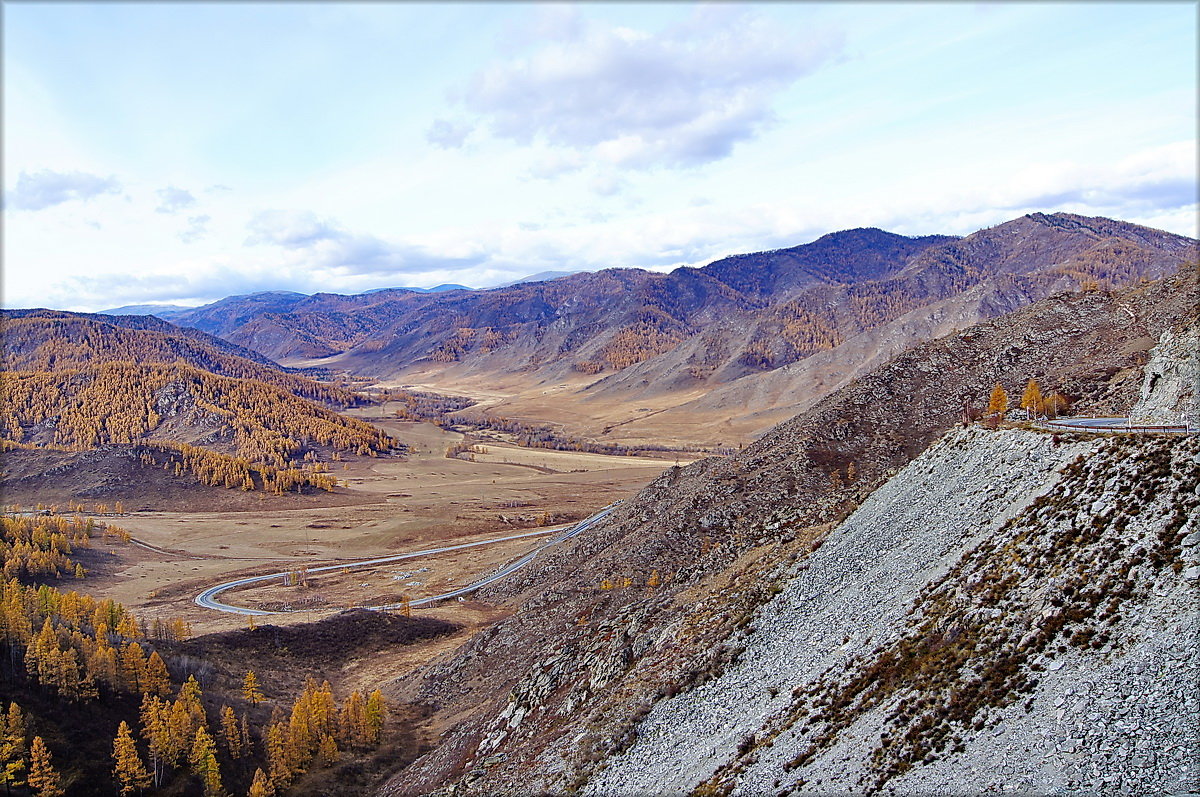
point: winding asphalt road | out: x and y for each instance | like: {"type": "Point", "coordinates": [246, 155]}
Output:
{"type": "Point", "coordinates": [514, 565]}
{"type": "Point", "coordinates": [208, 598]}
{"type": "Point", "coordinates": [1112, 425]}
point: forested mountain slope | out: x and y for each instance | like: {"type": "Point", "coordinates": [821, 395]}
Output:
{"type": "Point", "coordinates": [176, 399]}
{"type": "Point", "coordinates": [52, 341]}
{"type": "Point", "coordinates": [659, 597]}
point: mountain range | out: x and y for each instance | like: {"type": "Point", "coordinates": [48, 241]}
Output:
{"type": "Point", "coordinates": [876, 593]}
{"type": "Point", "coordinates": [721, 352]}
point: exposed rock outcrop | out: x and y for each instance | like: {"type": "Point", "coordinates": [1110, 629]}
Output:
{"type": "Point", "coordinates": [1171, 382]}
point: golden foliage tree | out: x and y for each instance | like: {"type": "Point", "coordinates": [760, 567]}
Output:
{"type": "Point", "coordinates": [251, 691]}
{"type": "Point", "coordinates": [44, 779]}
{"type": "Point", "coordinates": [260, 786]}
{"type": "Point", "coordinates": [1057, 404]}
{"type": "Point", "coordinates": [327, 751]}
{"type": "Point", "coordinates": [231, 732]}
{"type": "Point", "coordinates": [998, 402]}
{"type": "Point", "coordinates": [12, 747]}
{"type": "Point", "coordinates": [376, 716]}
{"type": "Point", "coordinates": [156, 730]}
{"type": "Point", "coordinates": [352, 720]}
{"type": "Point", "coordinates": [203, 760]}
{"type": "Point", "coordinates": [1031, 400]}
{"type": "Point", "coordinates": [128, 770]}
{"type": "Point", "coordinates": [279, 767]}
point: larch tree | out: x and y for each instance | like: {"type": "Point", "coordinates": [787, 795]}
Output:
{"type": "Point", "coordinates": [44, 779]}
{"type": "Point", "coordinates": [203, 760]}
{"type": "Point", "coordinates": [156, 730]}
{"type": "Point", "coordinates": [246, 744]}
{"type": "Point", "coordinates": [251, 690]}
{"type": "Point", "coordinates": [1031, 399]}
{"type": "Point", "coordinates": [1056, 404]}
{"type": "Point", "coordinates": [128, 771]}
{"type": "Point", "coordinates": [157, 679]}
{"type": "Point", "coordinates": [12, 748]}
{"type": "Point", "coordinates": [376, 715]}
{"type": "Point", "coordinates": [327, 751]}
{"type": "Point", "coordinates": [353, 720]}
{"type": "Point", "coordinates": [231, 734]}
{"type": "Point", "coordinates": [998, 402]}
{"type": "Point", "coordinates": [260, 786]}
{"type": "Point", "coordinates": [278, 766]}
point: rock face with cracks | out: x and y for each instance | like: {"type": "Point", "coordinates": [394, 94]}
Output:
{"type": "Point", "coordinates": [1171, 383]}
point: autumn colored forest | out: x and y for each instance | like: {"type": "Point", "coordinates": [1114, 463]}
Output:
{"type": "Point", "coordinates": [92, 706]}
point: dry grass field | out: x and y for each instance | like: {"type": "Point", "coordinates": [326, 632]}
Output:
{"type": "Point", "coordinates": [400, 505]}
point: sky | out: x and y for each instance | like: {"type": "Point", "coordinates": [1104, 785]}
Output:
{"type": "Point", "coordinates": [182, 152]}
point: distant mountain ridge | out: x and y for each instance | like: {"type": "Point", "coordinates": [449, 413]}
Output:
{"type": "Point", "coordinates": [448, 286]}
{"type": "Point", "coordinates": [541, 276]}
{"type": "Point", "coordinates": [744, 327]}
{"type": "Point", "coordinates": [163, 311]}
{"type": "Point", "coordinates": [170, 311]}
{"type": "Point", "coordinates": [54, 340]}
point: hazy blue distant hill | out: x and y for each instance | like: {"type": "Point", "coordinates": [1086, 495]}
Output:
{"type": "Point", "coordinates": [541, 276]}
{"type": "Point", "coordinates": [435, 289]}
{"type": "Point", "coordinates": [166, 311]}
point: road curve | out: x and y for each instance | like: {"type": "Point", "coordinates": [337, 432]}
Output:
{"type": "Point", "coordinates": [512, 566]}
{"type": "Point", "coordinates": [208, 598]}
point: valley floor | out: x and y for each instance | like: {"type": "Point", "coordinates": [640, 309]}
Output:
{"type": "Point", "coordinates": [424, 501]}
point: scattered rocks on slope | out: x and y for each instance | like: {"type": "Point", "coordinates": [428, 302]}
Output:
{"type": "Point", "coordinates": [1050, 648]}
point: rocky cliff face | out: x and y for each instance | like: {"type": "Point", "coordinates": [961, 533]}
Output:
{"type": "Point", "coordinates": [1171, 384]}
{"type": "Point", "coordinates": [1007, 613]}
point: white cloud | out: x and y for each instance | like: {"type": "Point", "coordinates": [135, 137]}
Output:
{"type": "Point", "coordinates": [45, 189]}
{"type": "Point", "coordinates": [197, 228]}
{"type": "Point", "coordinates": [640, 100]}
{"type": "Point", "coordinates": [446, 134]}
{"type": "Point", "coordinates": [607, 184]}
{"type": "Point", "coordinates": [173, 200]}
{"type": "Point", "coordinates": [290, 229]}
{"type": "Point", "coordinates": [1155, 183]}
{"type": "Point", "coordinates": [557, 163]}
{"type": "Point", "coordinates": [324, 244]}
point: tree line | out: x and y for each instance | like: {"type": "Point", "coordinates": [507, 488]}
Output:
{"type": "Point", "coordinates": [75, 649]}
{"type": "Point", "coordinates": [41, 545]}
